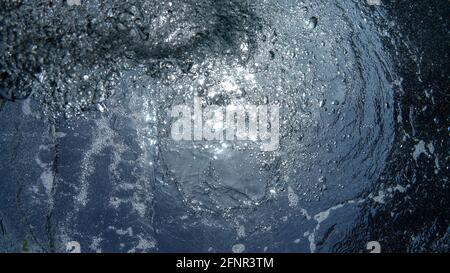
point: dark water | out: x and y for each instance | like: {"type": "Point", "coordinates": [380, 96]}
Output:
{"type": "Point", "coordinates": [85, 92]}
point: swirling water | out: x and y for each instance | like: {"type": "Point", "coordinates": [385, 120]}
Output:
{"type": "Point", "coordinates": [99, 80]}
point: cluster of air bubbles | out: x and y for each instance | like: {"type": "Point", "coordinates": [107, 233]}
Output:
{"type": "Point", "coordinates": [329, 88]}
{"type": "Point", "coordinates": [70, 57]}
